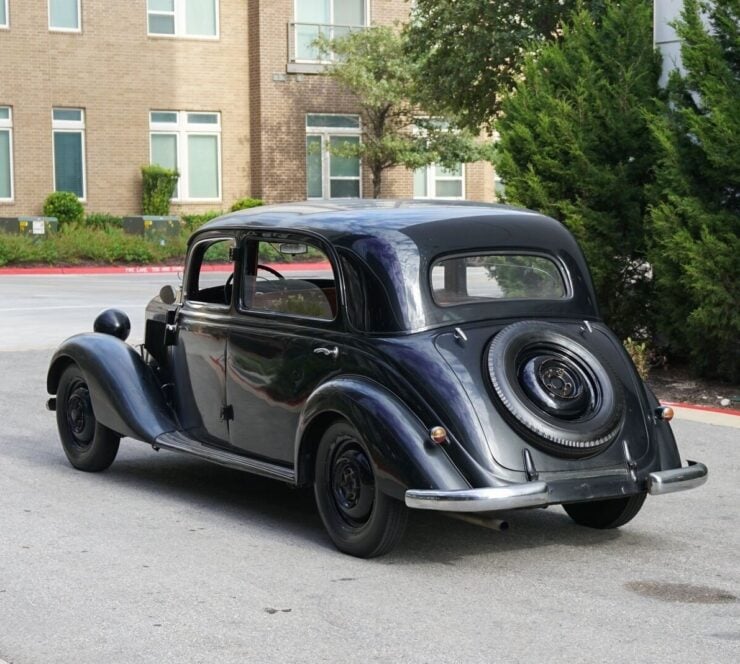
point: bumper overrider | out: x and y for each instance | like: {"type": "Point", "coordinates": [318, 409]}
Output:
{"type": "Point", "coordinates": [540, 493]}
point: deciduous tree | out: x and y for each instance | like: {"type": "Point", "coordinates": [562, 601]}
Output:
{"type": "Point", "coordinates": [374, 66]}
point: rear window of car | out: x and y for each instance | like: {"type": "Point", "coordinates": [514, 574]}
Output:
{"type": "Point", "coordinates": [468, 279]}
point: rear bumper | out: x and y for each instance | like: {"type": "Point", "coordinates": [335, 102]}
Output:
{"type": "Point", "coordinates": [539, 494]}
{"type": "Point", "coordinates": [678, 479]}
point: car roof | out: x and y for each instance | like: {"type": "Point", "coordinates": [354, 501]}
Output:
{"type": "Point", "coordinates": [335, 220]}
{"type": "Point", "coordinates": [393, 243]}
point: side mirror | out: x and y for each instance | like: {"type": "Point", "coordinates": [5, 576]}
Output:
{"type": "Point", "coordinates": [167, 294]}
{"type": "Point", "coordinates": [293, 248]}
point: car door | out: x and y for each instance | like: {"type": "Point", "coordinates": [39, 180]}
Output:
{"type": "Point", "coordinates": [282, 343]}
{"type": "Point", "coordinates": [202, 331]}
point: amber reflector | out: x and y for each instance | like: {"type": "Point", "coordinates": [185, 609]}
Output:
{"type": "Point", "coordinates": [438, 435]}
{"type": "Point", "coordinates": [664, 413]}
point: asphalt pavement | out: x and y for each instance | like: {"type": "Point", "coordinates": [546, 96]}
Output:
{"type": "Point", "coordinates": [164, 558]}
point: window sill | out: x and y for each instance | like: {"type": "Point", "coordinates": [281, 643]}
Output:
{"type": "Point", "coordinates": [67, 31]}
{"type": "Point", "coordinates": [306, 68]}
{"type": "Point", "coordinates": [197, 38]}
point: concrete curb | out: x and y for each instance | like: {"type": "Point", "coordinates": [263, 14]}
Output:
{"type": "Point", "coordinates": [143, 269]}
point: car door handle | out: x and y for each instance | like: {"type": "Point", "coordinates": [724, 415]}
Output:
{"type": "Point", "coordinates": [329, 352]}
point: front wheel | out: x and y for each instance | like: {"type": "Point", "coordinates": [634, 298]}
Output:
{"type": "Point", "coordinates": [89, 445]}
{"type": "Point", "coordinates": [604, 514]}
{"type": "Point", "coordinates": [360, 519]}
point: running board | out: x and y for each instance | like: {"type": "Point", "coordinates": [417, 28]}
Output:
{"type": "Point", "coordinates": [181, 442]}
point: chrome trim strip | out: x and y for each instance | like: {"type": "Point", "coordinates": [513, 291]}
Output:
{"type": "Point", "coordinates": [677, 479]}
{"type": "Point", "coordinates": [181, 442]}
{"type": "Point", "coordinates": [489, 499]}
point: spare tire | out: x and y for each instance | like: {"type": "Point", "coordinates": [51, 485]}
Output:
{"type": "Point", "coordinates": [556, 391]}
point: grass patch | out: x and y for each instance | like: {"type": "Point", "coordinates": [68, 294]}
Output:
{"type": "Point", "coordinates": [75, 244]}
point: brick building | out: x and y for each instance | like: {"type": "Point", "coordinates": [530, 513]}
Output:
{"type": "Point", "coordinates": [228, 91]}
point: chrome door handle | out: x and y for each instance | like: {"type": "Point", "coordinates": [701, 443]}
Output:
{"type": "Point", "coordinates": [329, 352]}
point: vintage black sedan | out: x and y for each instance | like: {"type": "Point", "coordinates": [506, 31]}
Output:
{"type": "Point", "coordinates": [392, 355]}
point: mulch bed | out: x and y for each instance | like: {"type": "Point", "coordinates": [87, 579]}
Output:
{"type": "Point", "coordinates": [676, 385]}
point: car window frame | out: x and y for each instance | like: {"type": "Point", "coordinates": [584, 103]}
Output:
{"type": "Point", "coordinates": [292, 236]}
{"type": "Point", "coordinates": [190, 267]}
{"type": "Point", "coordinates": [559, 264]}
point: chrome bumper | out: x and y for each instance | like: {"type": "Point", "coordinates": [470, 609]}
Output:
{"type": "Point", "coordinates": [677, 479]}
{"type": "Point", "coordinates": [490, 499]}
{"type": "Point", "coordinates": [537, 494]}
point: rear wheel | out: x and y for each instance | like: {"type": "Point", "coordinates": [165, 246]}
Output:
{"type": "Point", "coordinates": [89, 445]}
{"type": "Point", "coordinates": [606, 514]}
{"type": "Point", "coordinates": [360, 519]}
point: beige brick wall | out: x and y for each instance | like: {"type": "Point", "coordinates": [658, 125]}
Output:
{"type": "Point", "coordinates": [281, 100]}
{"type": "Point", "coordinates": [117, 74]}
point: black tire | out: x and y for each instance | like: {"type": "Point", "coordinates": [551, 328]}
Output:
{"type": "Point", "coordinates": [604, 514]}
{"type": "Point", "coordinates": [558, 393]}
{"type": "Point", "coordinates": [89, 445]}
{"type": "Point", "coordinates": [360, 519]}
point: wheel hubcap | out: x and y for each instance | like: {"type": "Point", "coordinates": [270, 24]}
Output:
{"type": "Point", "coordinates": [352, 483]}
{"type": "Point", "coordinates": [557, 384]}
{"type": "Point", "coordinates": [80, 418]}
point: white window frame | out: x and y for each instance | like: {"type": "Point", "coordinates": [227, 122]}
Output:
{"type": "Point", "coordinates": [6, 25]}
{"type": "Point", "coordinates": [432, 177]}
{"type": "Point", "coordinates": [72, 30]}
{"type": "Point", "coordinates": [7, 125]}
{"type": "Point", "coordinates": [326, 134]}
{"type": "Point", "coordinates": [69, 127]}
{"type": "Point", "coordinates": [331, 23]}
{"type": "Point", "coordinates": [182, 129]}
{"type": "Point", "coordinates": [180, 15]}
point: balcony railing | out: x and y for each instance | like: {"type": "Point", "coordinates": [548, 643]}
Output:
{"type": "Point", "coordinates": [301, 49]}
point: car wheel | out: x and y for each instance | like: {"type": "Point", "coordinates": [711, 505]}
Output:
{"type": "Point", "coordinates": [558, 393]}
{"type": "Point", "coordinates": [605, 514]}
{"type": "Point", "coordinates": [360, 519]}
{"type": "Point", "coordinates": [89, 445]}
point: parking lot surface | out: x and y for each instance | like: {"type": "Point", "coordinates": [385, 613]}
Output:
{"type": "Point", "coordinates": [164, 558]}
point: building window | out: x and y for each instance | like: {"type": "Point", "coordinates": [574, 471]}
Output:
{"type": "Point", "coordinates": [183, 18]}
{"type": "Point", "coordinates": [68, 128]}
{"type": "Point", "coordinates": [331, 175]}
{"type": "Point", "coordinates": [327, 18]}
{"type": "Point", "coordinates": [64, 15]}
{"type": "Point", "coordinates": [4, 21]}
{"type": "Point", "coordinates": [189, 142]}
{"type": "Point", "coordinates": [6, 153]}
{"type": "Point", "coordinates": [437, 182]}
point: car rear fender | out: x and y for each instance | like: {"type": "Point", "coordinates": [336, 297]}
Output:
{"type": "Point", "coordinates": [125, 394]}
{"type": "Point", "coordinates": [397, 440]}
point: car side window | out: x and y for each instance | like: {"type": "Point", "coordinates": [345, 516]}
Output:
{"type": "Point", "coordinates": [212, 272]}
{"type": "Point", "coordinates": [292, 278]}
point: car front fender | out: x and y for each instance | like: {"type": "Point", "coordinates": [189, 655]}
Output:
{"type": "Point", "coordinates": [397, 440]}
{"type": "Point", "coordinates": [125, 394]}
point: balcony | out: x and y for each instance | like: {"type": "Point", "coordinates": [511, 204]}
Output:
{"type": "Point", "coordinates": [303, 56]}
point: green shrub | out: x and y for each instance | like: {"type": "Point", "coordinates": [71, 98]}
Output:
{"type": "Point", "coordinates": [103, 221]}
{"type": "Point", "coordinates": [246, 203]}
{"type": "Point", "coordinates": [65, 206]}
{"type": "Point", "coordinates": [159, 186]}
{"type": "Point", "coordinates": [640, 354]}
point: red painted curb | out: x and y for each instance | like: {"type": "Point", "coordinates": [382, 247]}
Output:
{"type": "Point", "coordinates": [145, 269]}
{"type": "Point", "coordinates": [709, 409]}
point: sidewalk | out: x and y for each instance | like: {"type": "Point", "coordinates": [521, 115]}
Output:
{"type": "Point", "coordinates": [725, 417]}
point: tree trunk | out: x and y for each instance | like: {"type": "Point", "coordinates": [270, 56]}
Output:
{"type": "Point", "coordinates": [377, 180]}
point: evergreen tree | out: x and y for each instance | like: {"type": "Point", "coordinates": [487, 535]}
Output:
{"type": "Point", "coordinates": [575, 144]}
{"type": "Point", "coordinates": [696, 251]}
